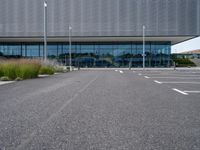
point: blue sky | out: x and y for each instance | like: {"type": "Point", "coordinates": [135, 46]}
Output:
{"type": "Point", "coordinates": [188, 45]}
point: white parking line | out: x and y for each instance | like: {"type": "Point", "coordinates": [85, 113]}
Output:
{"type": "Point", "coordinates": [180, 82]}
{"type": "Point", "coordinates": [139, 74]}
{"type": "Point", "coordinates": [176, 77]}
{"type": "Point", "coordinates": [191, 91]}
{"type": "Point", "coordinates": [6, 82]}
{"type": "Point", "coordinates": [157, 82]}
{"type": "Point", "coordinates": [116, 70]}
{"type": "Point", "coordinates": [171, 75]}
{"type": "Point", "coordinates": [121, 71]}
{"type": "Point", "coordinates": [43, 75]}
{"type": "Point", "coordinates": [179, 91]}
{"type": "Point", "coordinates": [146, 77]}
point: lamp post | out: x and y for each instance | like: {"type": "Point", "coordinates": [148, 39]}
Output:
{"type": "Point", "coordinates": [70, 51]}
{"type": "Point", "coordinates": [45, 31]}
{"type": "Point", "coordinates": [143, 47]}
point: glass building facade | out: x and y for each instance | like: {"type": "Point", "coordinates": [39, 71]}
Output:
{"type": "Point", "coordinates": [109, 54]}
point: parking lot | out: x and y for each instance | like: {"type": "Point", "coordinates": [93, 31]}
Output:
{"type": "Point", "coordinates": [182, 81]}
{"type": "Point", "coordinates": [102, 109]}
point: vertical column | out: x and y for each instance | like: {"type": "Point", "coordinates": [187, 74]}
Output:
{"type": "Point", "coordinates": [198, 17]}
{"type": "Point", "coordinates": [143, 46]}
{"type": "Point", "coordinates": [45, 31]}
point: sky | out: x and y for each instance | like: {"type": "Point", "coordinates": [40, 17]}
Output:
{"type": "Point", "coordinates": [193, 44]}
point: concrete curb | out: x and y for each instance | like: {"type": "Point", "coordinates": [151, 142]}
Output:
{"type": "Point", "coordinates": [146, 69]}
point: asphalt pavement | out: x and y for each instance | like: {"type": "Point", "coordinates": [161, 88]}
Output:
{"type": "Point", "coordinates": [102, 110]}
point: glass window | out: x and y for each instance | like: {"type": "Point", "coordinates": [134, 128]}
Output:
{"type": "Point", "coordinates": [24, 50]}
{"type": "Point", "coordinates": [41, 50]}
{"type": "Point", "coordinates": [87, 49]}
{"type": "Point", "coordinates": [60, 49]}
{"type": "Point", "coordinates": [134, 49]}
{"type": "Point", "coordinates": [139, 49]}
{"type": "Point", "coordinates": [104, 50]}
{"type": "Point", "coordinates": [65, 49]}
{"type": "Point", "coordinates": [52, 51]}
{"type": "Point", "coordinates": [32, 50]}
{"type": "Point", "coordinates": [122, 49]}
{"type": "Point", "coordinates": [96, 54]}
{"type": "Point", "coordinates": [11, 50]}
{"type": "Point", "coordinates": [2, 52]}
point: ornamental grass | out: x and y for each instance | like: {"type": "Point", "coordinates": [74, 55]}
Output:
{"type": "Point", "coordinates": [20, 68]}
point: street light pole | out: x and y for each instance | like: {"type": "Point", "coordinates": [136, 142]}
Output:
{"type": "Point", "coordinates": [143, 47]}
{"type": "Point", "coordinates": [70, 50]}
{"type": "Point", "coordinates": [45, 31]}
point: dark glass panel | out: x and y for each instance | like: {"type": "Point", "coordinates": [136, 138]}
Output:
{"type": "Point", "coordinates": [11, 50]}
{"type": "Point", "coordinates": [32, 50]}
{"type": "Point", "coordinates": [24, 50]}
{"type": "Point", "coordinates": [2, 50]}
{"type": "Point", "coordinates": [96, 54]}
{"type": "Point", "coordinates": [42, 50]}
{"type": "Point", "coordinates": [52, 51]}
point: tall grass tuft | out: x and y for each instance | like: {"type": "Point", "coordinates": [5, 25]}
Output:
{"type": "Point", "coordinates": [22, 68]}
{"type": "Point", "coordinates": [50, 70]}
{"type": "Point", "coordinates": [9, 70]}
{"type": "Point", "coordinates": [28, 69]}
{"type": "Point", "coordinates": [1, 70]}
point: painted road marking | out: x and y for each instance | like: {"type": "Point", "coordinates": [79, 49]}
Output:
{"type": "Point", "coordinates": [171, 75]}
{"type": "Point", "coordinates": [146, 77]}
{"type": "Point", "coordinates": [179, 91]}
{"type": "Point", "coordinates": [176, 77]}
{"type": "Point", "coordinates": [181, 82]}
{"type": "Point", "coordinates": [121, 71]}
{"type": "Point", "coordinates": [191, 91]}
{"type": "Point", "coordinates": [6, 82]}
{"type": "Point", "coordinates": [116, 70]}
{"type": "Point", "coordinates": [157, 82]}
{"type": "Point", "coordinates": [43, 75]}
{"type": "Point", "coordinates": [139, 74]}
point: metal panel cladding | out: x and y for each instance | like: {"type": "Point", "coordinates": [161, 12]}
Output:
{"type": "Point", "coordinates": [100, 17]}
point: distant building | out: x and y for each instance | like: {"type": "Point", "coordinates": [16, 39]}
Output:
{"type": "Point", "coordinates": [105, 33]}
{"type": "Point", "coordinates": [192, 54]}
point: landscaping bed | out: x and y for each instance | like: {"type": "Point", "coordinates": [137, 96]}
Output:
{"type": "Point", "coordinates": [21, 69]}
{"type": "Point", "coordinates": [184, 62]}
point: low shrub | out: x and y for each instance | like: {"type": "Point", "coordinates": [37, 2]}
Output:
{"type": "Point", "coordinates": [9, 70]}
{"type": "Point", "coordinates": [1, 71]}
{"type": "Point", "coordinates": [47, 70]}
{"type": "Point", "coordinates": [184, 62]}
{"type": "Point", "coordinates": [68, 68]}
{"type": "Point", "coordinates": [18, 79]}
{"type": "Point", "coordinates": [59, 69]}
{"type": "Point", "coordinates": [27, 71]}
{"type": "Point", "coordinates": [4, 78]}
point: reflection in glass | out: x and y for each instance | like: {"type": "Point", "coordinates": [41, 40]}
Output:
{"type": "Point", "coordinates": [32, 50]}
{"type": "Point", "coordinates": [104, 54]}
